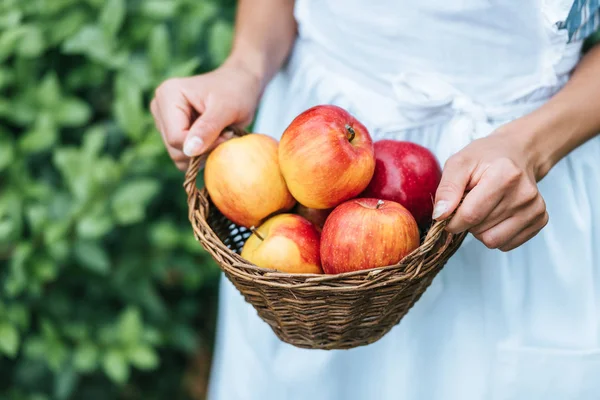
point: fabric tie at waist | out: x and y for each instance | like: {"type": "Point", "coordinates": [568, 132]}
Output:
{"type": "Point", "coordinates": [408, 100]}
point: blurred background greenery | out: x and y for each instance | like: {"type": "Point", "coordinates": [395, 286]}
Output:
{"type": "Point", "coordinates": [104, 293]}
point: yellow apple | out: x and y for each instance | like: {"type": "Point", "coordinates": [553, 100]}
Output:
{"type": "Point", "coordinates": [285, 243]}
{"type": "Point", "coordinates": [244, 181]}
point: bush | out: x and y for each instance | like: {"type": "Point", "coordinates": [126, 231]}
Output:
{"type": "Point", "coordinates": [104, 293]}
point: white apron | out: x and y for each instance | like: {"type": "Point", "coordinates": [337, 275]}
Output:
{"type": "Point", "coordinates": [523, 325]}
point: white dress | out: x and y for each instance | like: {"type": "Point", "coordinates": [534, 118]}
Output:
{"type": "Point", "coordinates": [523, 325]}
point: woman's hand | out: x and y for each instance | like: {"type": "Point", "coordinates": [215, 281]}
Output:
{"type": "Point", "coordinates": [502, 207]}
{"type": "Point", "coordinates": [190, 113]}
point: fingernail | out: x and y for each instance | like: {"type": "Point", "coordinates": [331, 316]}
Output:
{"type": "Point", "coordinates": [440, 208]}
{"type": "Point", "coordinates": [193, 146]}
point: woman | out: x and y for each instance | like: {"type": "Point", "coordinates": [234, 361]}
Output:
{"type": "Point", "coordinates": [502, 95]}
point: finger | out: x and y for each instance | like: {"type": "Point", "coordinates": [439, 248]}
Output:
{"type": "Point", "coordinates": [455, 178]}
{"type": "Point", "coordinates": [182, 165]}
{"type": "Point", "coordinates": [525, 236]}
{"type": "Point", "coordinates": [525, 196]}
{"type": "Point", "coordinates": [479, 203]}
{"type": "Point", "coordinates": [507, 230]}
{"type": "Point", "coordinates": [206, 129]}
{"type": "Point", "coordinates": [174, 112]}
{"type": "Point", "coordinates": [155, 115]}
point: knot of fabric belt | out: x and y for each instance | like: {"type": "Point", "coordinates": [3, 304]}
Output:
{"type": "Point", "coordinates": [426, 97]}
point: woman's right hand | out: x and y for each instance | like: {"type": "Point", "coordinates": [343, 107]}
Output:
{"type": "Point", "coordinates": [190, 113]}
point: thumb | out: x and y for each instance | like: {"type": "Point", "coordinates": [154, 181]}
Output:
{"type": "Point", "coordinates": [205, 130]}
{"type": "Point", "coordinates": [455, 178]}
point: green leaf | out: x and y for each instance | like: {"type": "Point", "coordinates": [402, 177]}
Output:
{"type": "Point", "coordinates": [143, 357]}
{"type": "Point", "coordinates": [159, 47]}
{"type": "Point", "coordinates": [67, 26]}
{"type": "Point", "coordinates": [115, 366]}
{"type": "Point", "coordinates": [139, 72]}
{"type": "Point", "coordinates": [130, 326]}
{"type": "Point", "coordinates": [165, 235]}
{"type": "Point", "coordinates": [185, 68]}
{"type": "Point", "coordinates": [56, 355]}
{"type": "Point", "coordinates": [10, 19]}
{"type": "Point", "coordinates": [37, 215]}
{"type": "Point", "coordinates": [92, 42]}
{"type": "Point", "coordinates": [92, 256]}
{"type": "Point", "coordinates": [9, 40]}
{"type": "Point", "coordinates": [112, 16]}
{"type": "Point", "coordinates": [7, 151]}
{"type": "Point", "coordinates": [130, 200]}
{"type": "Point", "coordinates": [56, 231]}
{"type": "Point", "coordinates": [48, 92]}
{"type": "Point", "coordinates": [159, 9]}
{"type": "Point", "coordinates": [86, 357]}
{"type": "Point", "coordinates": [42, 137]}
{"type": "Point", "coordinates": [73, 112]}
{"type": "Point", "coordinates": [20, 257]}
{"type": "Point", "coordinates": [18, 314]}
{"type": "Point", "coordinates": [9, 339]}
{"type": "Point", "coordinates": [44, 269]}
{"type": "Point", "coordinates": [7, 77]}
{"type": "Point", "coordinates": [94, 141]}
{"type": "Point", "coordinates": [94, 226]}
{"type": "Point", "coordinates": [220, 39]}
{"type": "Point", "coordinates": [64, 383]}
{"type": "Point", "coordinates": [59, 249]}
{"type": "Point", "coordinates": [32, 42]}
{"type": "Point", "coordinates": [128, 107]}
{"type": "Point", "coordinates": [74, 168]}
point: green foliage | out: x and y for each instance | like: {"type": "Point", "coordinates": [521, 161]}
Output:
{"type": "Point", "coordinates": [104, 292]}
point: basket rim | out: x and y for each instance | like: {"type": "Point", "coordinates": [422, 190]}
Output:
{"type": "Point", "coordinates": [436, 236]}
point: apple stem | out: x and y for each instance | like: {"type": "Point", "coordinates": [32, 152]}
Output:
{"type": "Point", "coordinates": [350, 134]}
{"type": "Point", "coordinates": [255, 231]}
{"type": "Point", "coordinates": [379, 204]}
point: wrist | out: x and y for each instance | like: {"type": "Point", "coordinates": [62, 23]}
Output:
{"type": "Point", "coordinates": [252, 63]}
{"type": "Point", "coordinates": [542, 136]}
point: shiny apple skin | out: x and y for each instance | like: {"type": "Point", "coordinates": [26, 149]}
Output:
{"type": "Point", "coordinates": [287, 243]}
{"type": "Point", "coordinates": [321, 165]}
{"type": "Point", "coordinates": [406, 173]}
{"type": "Point", "coordinates": [360, 234]}
{"type": "Point", "coordinates": [243, 179]}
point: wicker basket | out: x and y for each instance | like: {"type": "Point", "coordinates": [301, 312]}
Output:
{"type": "Point", "coordinates": [319, 311]}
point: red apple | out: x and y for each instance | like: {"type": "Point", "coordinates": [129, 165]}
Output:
{"type": "Point", "coordinates": [367, 233]}
{"type": "Point", "coordinates": [317, 217]}
{"type": "Point", "coordinates": [326, 157]}
{"type": "Point", "coordinates": [406, 173]}
{"type": "Point", "coordinates": [286, 243]}
{"type": "Point", "coordinates": [243, 179]}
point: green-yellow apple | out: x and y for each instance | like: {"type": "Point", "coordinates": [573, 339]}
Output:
{"type": "Point", "coordinates": [244, 181]}
{"type": "Point", "coordinates": [285, 243]}
{"type": "Point", "coordinates": [326, 157]}
{"type": "Point", "coordinates": [367, 233]}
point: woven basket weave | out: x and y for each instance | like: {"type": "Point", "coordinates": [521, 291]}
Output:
{"type": "Point", "coordinates": [319, 311]}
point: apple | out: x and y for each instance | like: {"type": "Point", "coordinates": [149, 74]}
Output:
{"type": "Point", "coordinates": [243, 180]}
{"type": "Point", "coordinates": [406, 173]}
{"type": "Point", "coordinates": [367, 233]}
{"type": "Point", "coordinates": [316, 216]}
{"type": "Point", "coordinates": [285, 243]}
{"type": "Point", "coordinates": [326, 157]}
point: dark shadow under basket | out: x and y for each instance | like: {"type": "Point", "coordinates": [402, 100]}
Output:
{"type": "Point", "coordinates": [320, 311]}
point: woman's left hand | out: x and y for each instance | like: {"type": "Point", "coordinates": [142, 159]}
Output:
{"type": "Point", "coordinates": [503, 207]}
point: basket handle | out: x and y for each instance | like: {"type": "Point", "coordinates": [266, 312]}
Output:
{"type": "Point", "coordinates": [189, 184]}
